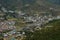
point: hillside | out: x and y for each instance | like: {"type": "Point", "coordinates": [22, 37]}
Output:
{"type": "Point", "coordinates": [30, 19]}
{"type": "Point", "coordinates": [48, 33]}
{"type": "Point", "coordinates": [30, 7]}
{"type": "Point", "coordinates": [27, 4]}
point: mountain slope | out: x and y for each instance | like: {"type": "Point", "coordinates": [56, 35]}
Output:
{"type": "Point", "coordinates": [55, 1]}
{"type": "Point", "coordinates": [30, 6]}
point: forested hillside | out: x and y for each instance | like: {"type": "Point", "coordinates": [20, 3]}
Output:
{"type": "Point", "coordinates": [27, 4]}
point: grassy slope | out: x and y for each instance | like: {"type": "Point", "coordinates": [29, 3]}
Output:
{"type": "Point", "coordinates": [52, 33]}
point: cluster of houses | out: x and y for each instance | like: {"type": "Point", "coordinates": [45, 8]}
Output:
{"type": "Point", "coordinates": [7, 25]}
{"type": "Point", "coordinates": [14, 35]}
{"type": "Point", "coordinates": [34, 22]}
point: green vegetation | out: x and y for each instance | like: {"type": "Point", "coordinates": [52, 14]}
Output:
{"type": "Point", "coordinates": [47, 33]}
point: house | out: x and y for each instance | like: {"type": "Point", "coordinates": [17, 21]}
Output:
{"type": "Point", "coordinates": [3, 9]}
{"type": "Point", "coordinates": [6, 37]}
{"type": "Point", "coordinates": [11, 11]}
{"type": "Point", "coordinates": [38, 28]}
{"type": "Point", "coordinates": [58, 17]}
